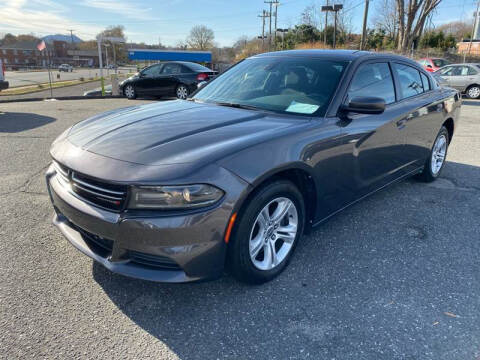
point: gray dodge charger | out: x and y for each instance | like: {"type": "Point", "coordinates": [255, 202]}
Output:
{"type": "Point", "coordinates": [233, 176]}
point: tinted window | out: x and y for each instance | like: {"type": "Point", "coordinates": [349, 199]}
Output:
{"type": "Point", "coordinates": [186, 69]}
{"type": "Point", "coordinates": [373, 80]}
{"type": "Point", "coordinates": [197, 67]}
{"type": "Point", "coordinates": [471, 71]}
{"type": "Point", "coordinates": [440, 62]}
{"type": "Point", "coordinates": [426, 83]}
{"type": "Point", "coordinates": [171, 69]}
{"type": "Point", "coordinates": [284, 84]}
{"type": "Point", "coordinates": [153, 70]}
{"type": "Point", "coordinates": [409, 80]}
{"type": "Point", "coordinates": [447, 71]}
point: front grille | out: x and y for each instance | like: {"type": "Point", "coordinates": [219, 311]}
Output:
{"type": "Point", "coordinates": [103, 194]}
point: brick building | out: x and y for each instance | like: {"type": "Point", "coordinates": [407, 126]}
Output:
{"type": "Point", "coordinates": [26, 54]}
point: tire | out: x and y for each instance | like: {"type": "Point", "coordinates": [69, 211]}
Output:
{"type": "Point", "coordinates": [473, 92]}
{"type": "Point", "coordinates": [436, 161]}
{"type": "Point", "coordinates": [272, 238]}
{"type": "Point", "coordinates": [181, 92]}
{"type": "Point", "coordinates": [129, 91]}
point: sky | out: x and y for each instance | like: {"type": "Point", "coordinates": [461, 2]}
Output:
{"type": "Point", "coordinates": [169, 21]}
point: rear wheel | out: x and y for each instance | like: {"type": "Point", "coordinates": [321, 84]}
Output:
{"type": "Point", "coordinates": [473, 92]}
{"type": "Point", "coordinates": [181, 92]}
{"type": "Point", "coordinates": [130, 92]}
{"type": "Point", "coordinates": [267, 232]}
{"type": "Point", "coordinates": [435, 162]}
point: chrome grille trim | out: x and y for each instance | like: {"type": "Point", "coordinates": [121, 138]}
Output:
{"type": "Point", "coordinates": [94, 192]}
{"type": "Point", "coordinates": [77, 180]}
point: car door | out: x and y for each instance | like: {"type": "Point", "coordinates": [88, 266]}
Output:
{"type": "Point", "coordinates": [146, 82]}
{"type": "Point", "coordinates": [376, 140]}
{"type": "Point", "coordinates": [422, 112]}
{"type": "Point", "coordinates": [462, 77]}
{"type": "Point", "coordinates": [448, 73]}
{"type": "Point", "coordinates": [167, 81]}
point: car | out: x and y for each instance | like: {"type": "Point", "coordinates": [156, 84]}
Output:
{"type": "Point", "coordinates": [65, 67]}
{"type": "Point", "coordinates": [433, 64]}
{"type": "Point", "coordinates": [173, 78]}
{"type": "Point", "coordinates": [98, 91]}
{"type": "Point", "coordinates": [463, 77]}
{"type": "Point", "coordinates": [231, 178]}
{"type": "Point", "coordinates": [3, 82]}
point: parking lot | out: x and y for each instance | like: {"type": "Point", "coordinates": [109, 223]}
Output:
{"type": "Point", "coordinates": [396, 276]}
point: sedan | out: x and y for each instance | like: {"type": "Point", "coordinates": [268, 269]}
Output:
{"type": "Point", "coordinates": [433, 64]}
{"type": "Point", "coordinates": [178, 191]}
{"type": "Point", "coordinates": [65, 67]}
{"type": "Point", "coordinates": [463, 77]}
{"type": "Point", "coordinates": [179, 79]}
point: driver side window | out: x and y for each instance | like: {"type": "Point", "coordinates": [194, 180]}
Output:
{"type": "Point", "coordinates": [151, 71]}
{"type": "Point", "coordinates": [375, 80]}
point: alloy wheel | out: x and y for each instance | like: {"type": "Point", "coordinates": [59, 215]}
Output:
{"type": "Point", "coordinates": [438, 154]}
{"type": "Point", "coordinates": [473, 92]}
{"type": "Point", "coordinates": [130, 92]}
{"type": "Point", "coordinates": [273, 233]}
{"type": "Point", "coordinates": [182, 92]}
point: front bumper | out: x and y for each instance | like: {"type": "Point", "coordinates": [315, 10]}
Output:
{"type": "Point", "coordinates": [174, 248]}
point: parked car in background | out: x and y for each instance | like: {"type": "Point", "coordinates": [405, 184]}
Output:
{"type": "Point", "coordinates": [463, 77]}
{"type": "Point", "coordinates": [3, 82]}
{"type": "Point", "coordinates": [433, 64]}
{"type": "Point", "coordinates": [65, 67]}
{"type": "Point", "coordinates": [173, 78]}
{"type": "Point", "coordinates": [174, 191]}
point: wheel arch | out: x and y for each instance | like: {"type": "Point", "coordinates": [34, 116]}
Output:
{"type": "Point", "coordinates": [300, 174]}
{"type": "Point", "coordinates": [450, 125]}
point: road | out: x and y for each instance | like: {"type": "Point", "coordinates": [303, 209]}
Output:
{"type": "Point", "coordinates": [21, 78]}
{"type": "Point", "coordinates": [395, 276]}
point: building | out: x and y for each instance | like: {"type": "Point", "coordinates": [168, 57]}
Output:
{"type": "Point", "coordinates": [24, 53]}
{"type": "Point", "coordinates": [83, 58]}
{"type": "Point", "coordinates": [464, 47]}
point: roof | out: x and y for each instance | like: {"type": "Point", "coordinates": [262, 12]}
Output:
{"type": "Point", "coordinates": [22, 45]}
{"type": "Point", "coordinates": [337, 54]}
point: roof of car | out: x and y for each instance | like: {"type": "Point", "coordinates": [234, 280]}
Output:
{"type": "Point", "coordinates": [348, 55]}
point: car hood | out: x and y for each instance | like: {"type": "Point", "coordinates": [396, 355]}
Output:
{"type": "Point", "coordinates": [177, 132]}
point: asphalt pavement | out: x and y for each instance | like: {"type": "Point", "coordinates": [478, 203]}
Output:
{"type": "Point", "coordinates": [396, 276]}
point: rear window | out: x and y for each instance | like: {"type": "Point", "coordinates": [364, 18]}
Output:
{"type": "Point", "coordinates": [197, 67]}
{"type": "Point", "coordinates": [440, 62]}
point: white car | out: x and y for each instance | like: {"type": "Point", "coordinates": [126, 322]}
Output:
{"type": "Point", "coordinates": [3, 83]}
{"type": "Point", "coordinates": [65, 67]}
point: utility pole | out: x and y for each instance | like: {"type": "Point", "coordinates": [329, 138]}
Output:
{"type": "Point", "coordinates": [71, 36]}
{"type": "Point", "coordinates": [271, 2]}
{"type": "Point", "coordinates": [263, 16]}
{"type": "Point", "coordinates": [474, 30]}
{"type": "Point", "coordinates": [325, 29]}
{"type": "Point", "coordinates": [276, 4]}
{"type": "Point", "coordinates": [364, 28]}
{"type": "Point", "coordinates": [335, 8]}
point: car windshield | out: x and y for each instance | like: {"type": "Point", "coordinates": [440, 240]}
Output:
{"type": "Point", "coordinates": [440, 62]}
{"type": "Point", "coordinates": [283, 84]}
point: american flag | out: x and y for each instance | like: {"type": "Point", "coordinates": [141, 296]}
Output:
{"type": "Point", "coordinates": [41, 46]}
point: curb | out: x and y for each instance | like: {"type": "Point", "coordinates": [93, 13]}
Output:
{"type": "Point", "coordinates": [62, 98]}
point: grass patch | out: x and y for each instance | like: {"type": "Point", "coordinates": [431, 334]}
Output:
{"type": "Point", "coordinates": [44, 86]}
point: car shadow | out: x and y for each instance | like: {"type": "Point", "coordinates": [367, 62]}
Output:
{"type": "Point", "coordinates": [15, 122]}
{"type": "Point", "coordinates": [354, 283]}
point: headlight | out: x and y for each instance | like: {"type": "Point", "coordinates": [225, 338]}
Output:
{"type": "Point", "coordinates": [173, 197]}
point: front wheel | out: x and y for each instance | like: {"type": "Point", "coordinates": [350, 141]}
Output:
{"type": "Point", "coordinates": [181, 92]}
{"type": "Point", "coordinates": [435, 162]}
{"type": "Point", "coordinates": [267, 232]}
{"type": "Point", "coordinates": [473, 92]}
{"type": "Point", "coordinates": [129, 92]}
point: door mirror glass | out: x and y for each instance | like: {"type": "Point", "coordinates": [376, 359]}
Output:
{"type": "Point", "coordinates": [364, 105]}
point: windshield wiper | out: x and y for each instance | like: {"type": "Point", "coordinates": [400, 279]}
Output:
{"type": "Point", "coordinates": [236, 105]}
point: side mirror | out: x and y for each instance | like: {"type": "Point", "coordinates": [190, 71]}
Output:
{"type": "Point", "coordinates": [429, 66]}
{"type": "Point", "coordinates": [201, 84]}
{"type": "Point", "coordinates": [364, 105]}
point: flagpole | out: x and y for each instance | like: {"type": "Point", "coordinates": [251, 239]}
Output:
{"type": "Point", "coordinates": [49, 74]}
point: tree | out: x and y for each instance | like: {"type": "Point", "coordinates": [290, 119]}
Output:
{"type": "Point", "coordinates": [309, 16]}
{"type": "Point", "coordinates": [386, 18]}
{"type": "Point", "coordinates": [9, 39]}
{"type": "Point", "coordinates": [200, 38]}
{"type": "Point", "coordinates": [412, 15]}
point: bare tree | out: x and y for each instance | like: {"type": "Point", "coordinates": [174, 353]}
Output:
{"type": "Point", "coordinates": [200, 38]}
{"type": "Point", "coordinates": [412, 15]}
{"type": "Point", "coordinates": [309, 16]}
{"type": "Point", "coordinates": [386, 17]}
